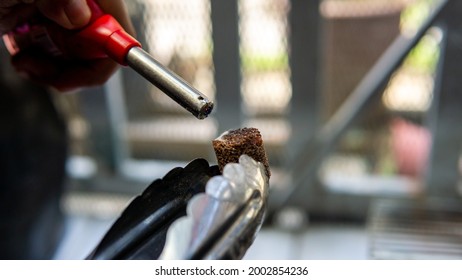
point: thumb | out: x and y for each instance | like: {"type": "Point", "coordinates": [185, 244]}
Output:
{"type": "Point", "coordinates": [70, 14]}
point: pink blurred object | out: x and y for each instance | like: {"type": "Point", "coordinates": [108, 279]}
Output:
{"type": "Point", "coordinates": [411, 147]}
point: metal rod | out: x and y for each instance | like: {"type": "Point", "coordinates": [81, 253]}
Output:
{"type": "Point", "coordinates": [117, 118]}
{"type": "Point", "coordinates": [170, 83]}
{"type": "Point", "coordinates": [443, 120]}
{"type": "Point", "coordinates": [303, 170]}
{"type": "Point", "coordinates": [226, 62]}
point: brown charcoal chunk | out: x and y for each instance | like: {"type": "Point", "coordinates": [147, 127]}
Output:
{"type": "Point", "coordinates": [234, 143]}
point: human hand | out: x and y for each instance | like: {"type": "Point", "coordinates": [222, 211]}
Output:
{"type": "Point", "coordinates": [71, 14]}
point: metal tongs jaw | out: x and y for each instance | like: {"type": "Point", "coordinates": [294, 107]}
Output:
{"type": "Point", "coordinates": [192, 213]}
{"type": "Point", "coordinates": [140, 231]}
{"type": "Point", "coordinates": [222, 222]}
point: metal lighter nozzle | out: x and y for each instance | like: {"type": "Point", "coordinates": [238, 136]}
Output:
{"type": "Point", "coordinates": [170, 83]}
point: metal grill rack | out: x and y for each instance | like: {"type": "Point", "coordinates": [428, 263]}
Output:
{"type": "Point", "coordinates": [416, 230]}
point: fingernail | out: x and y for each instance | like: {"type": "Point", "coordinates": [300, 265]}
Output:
{"type": "Point", "coordinates": [77, 12]}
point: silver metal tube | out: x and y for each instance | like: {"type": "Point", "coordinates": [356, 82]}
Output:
{"type": "Point", "coordinates": [170, 83]}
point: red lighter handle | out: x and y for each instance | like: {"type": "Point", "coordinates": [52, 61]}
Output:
{"type": "Point", "coordinates": [102, 37]}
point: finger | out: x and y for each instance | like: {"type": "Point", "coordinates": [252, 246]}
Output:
{"type": "Point", "coordinates": [70, 14]}
{"type": "Point", "coordinates": [118, 10]}
{"type": "Point", "coordinates": [95, 73]}
{"type": "Point", "coordinates": [63, 75]}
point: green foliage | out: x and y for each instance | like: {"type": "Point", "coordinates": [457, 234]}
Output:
{"type": "Point", "coordinates": [257, 63]}
{"type": "Point", "coordinates": [424, 56]}
{"type": "Point", "coordinates": [415, 14]}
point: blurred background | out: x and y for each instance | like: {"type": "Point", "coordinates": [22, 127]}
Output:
{"type": "Point", "coordinates": [361, 126]}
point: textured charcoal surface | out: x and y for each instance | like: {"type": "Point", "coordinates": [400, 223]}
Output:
{"type": "Point", "coordinates": [234, 143]}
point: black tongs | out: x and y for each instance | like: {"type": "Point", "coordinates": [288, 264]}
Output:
{"type": "Point", "coordinates": [193, 212]}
